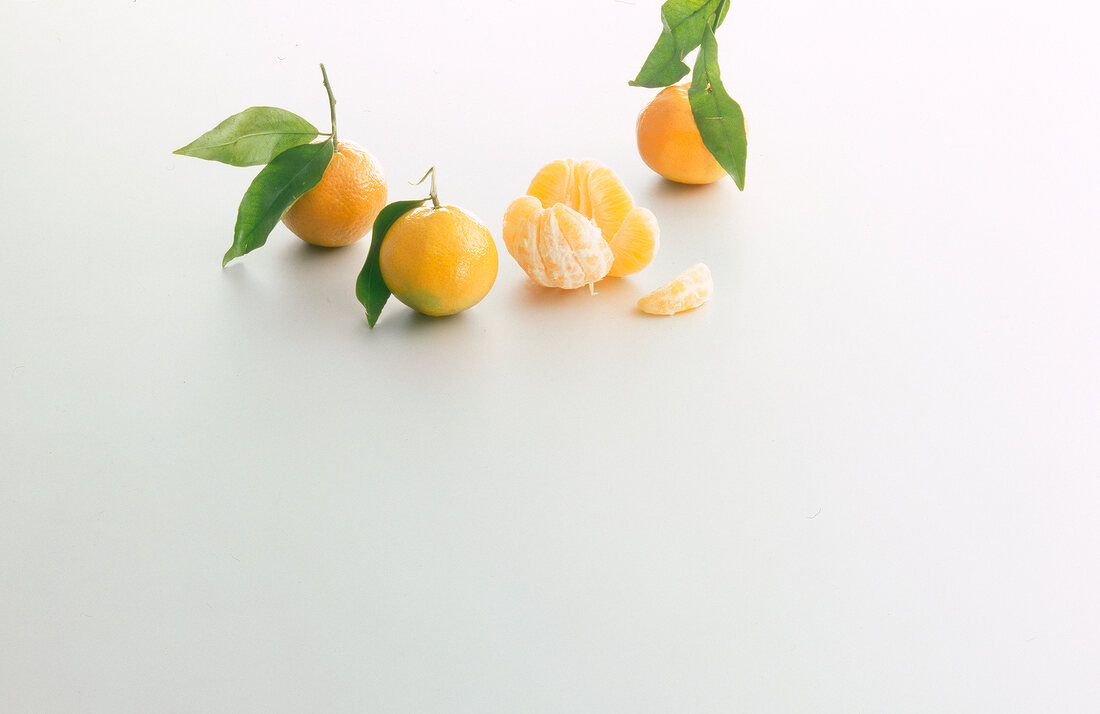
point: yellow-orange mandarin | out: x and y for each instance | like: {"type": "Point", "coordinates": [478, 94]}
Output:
{"type": "Point", "coordinates": [438, 260]}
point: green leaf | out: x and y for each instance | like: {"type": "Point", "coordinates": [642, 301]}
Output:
{"type": "Point", "coordinates": [252, 138]}
{"type": "Point", "coordinates": [720, 120]}
{"type": "Point", "coordinates": [370, 288]}
{"type": "Point", "coordinates": [684, 22]}
{"type": "Point", "coordinates": [722, 10]}
{"type": "Point", "coordinates": [275, 189]}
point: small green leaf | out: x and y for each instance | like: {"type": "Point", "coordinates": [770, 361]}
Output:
{"type": "Point", "coordinates": [370, 288]}
{"type": "Point", "coordinates": [720, 120]}
{"type": "Point", "coordinates": [275, 189]}
{"type": "Point", "coordinates": [684, 22]}
{"type": "Point", "coordinates": [252, 138]}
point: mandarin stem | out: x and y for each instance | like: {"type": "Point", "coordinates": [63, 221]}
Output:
{"type": "Point", "coordinates": [331, 104]}
{"type": "Point", "coordinates": [432, 193]}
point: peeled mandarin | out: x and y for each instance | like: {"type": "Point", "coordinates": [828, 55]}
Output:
{"type": "Point", "coordinates": [597, 193]}
{"type": "Point", "coordinates": [688, 290]}
{"type": "Point", "coordinates": [557, 247]}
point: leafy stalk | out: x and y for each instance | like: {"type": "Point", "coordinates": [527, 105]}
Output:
{"type": "Point", "coordinates": [683, 22]}
{"type": "Point", "coordinates": [688, 25]}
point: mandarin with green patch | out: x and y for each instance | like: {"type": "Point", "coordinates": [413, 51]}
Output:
{"type": "Point", "coordinates": [438, 260]}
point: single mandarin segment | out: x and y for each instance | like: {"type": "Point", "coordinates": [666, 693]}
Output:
{"type": "Point", "coordinates": [514, 217]}
{"type": "Point", "coordinates": [688, 290]}
{"type": "Point", "coordinates": [670, 143]}
{"type": "Point", "coordinates": [438, 260]}
{"type": "Point", "coordinates": [557, 247]}
{"type": "Point", "coordinates": [342, 207]}
{"type": "Point", "coordinates": [635, 243]}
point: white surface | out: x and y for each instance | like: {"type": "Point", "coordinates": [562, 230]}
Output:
{"type": "Point", "coordinates": [864, 478]}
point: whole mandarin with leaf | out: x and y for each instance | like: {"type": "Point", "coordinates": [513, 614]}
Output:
{"type": "Point", "coordinates": [690, 133]}
{"type": "Point", "coordinates": [670, 143]}
{"type": "Point", "coordinates": [327, 192]}
{"type": "Point", "coordinates": [439, 260]}
{"type": "Point", "coordinates": [341, 208]}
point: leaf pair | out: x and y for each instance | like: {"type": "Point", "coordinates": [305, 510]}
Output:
{"type": "Point", "coordinates": [684, 22]}
{"type": "Point", "coordinates": [690, 24]}
{"type": "Point", "coordinates": [279, 139]}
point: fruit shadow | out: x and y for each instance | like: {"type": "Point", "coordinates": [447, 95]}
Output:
{"type": "Point", "coordinates": [315, 278]}
{"type": "Point", "coordinates": [664, 189]}
{"type": "Point", "coordinates": [614, 289]}
{"type": "Point", "coordinates": [309, 253]}
{"type": "Point", "coordinates": [399, 317]}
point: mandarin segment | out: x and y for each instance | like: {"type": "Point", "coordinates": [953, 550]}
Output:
{"type": "Point", "coordinates": [607, 200]}
{"type": "Point", "coordinates": [559, 248]}
{"type": "Point", "coordinates": [555, 183]}
{"type": "Point", "coordinates": [690, 289]}
{"type": "Point", "coordinates": [635, 243]}
{"type": "Point", "coordinates": [514, 216]}
{"type": "Point", "coordinates": [527, 250]}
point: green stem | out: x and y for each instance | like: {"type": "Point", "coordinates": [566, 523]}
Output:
{"type": "Point", "coordinates": [331, 105]}
{"type": "Point", "coordinates": [431, 193]}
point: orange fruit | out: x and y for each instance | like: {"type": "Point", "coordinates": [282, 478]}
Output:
{"type": "Point", "coordinates": [595, 192]}
{"type": "Point", "coordinates": [688, 290]}
{"type": "Point", "coordinates": [342, 207]}
{"type": "Point", "coordinates": [669, 141]}
{"type": "Point", "coordinates": [438, 260]}
{"type": "Point", "coordinates": [557, 247]}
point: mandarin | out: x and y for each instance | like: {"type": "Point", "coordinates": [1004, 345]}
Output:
{"type": "Point", "coordinates": [342, 207]}
{"type": "Point", "coordinates": [670, 143]}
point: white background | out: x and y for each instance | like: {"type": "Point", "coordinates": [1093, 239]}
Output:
{"type": "Point", "coordinates": [864, 478]}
